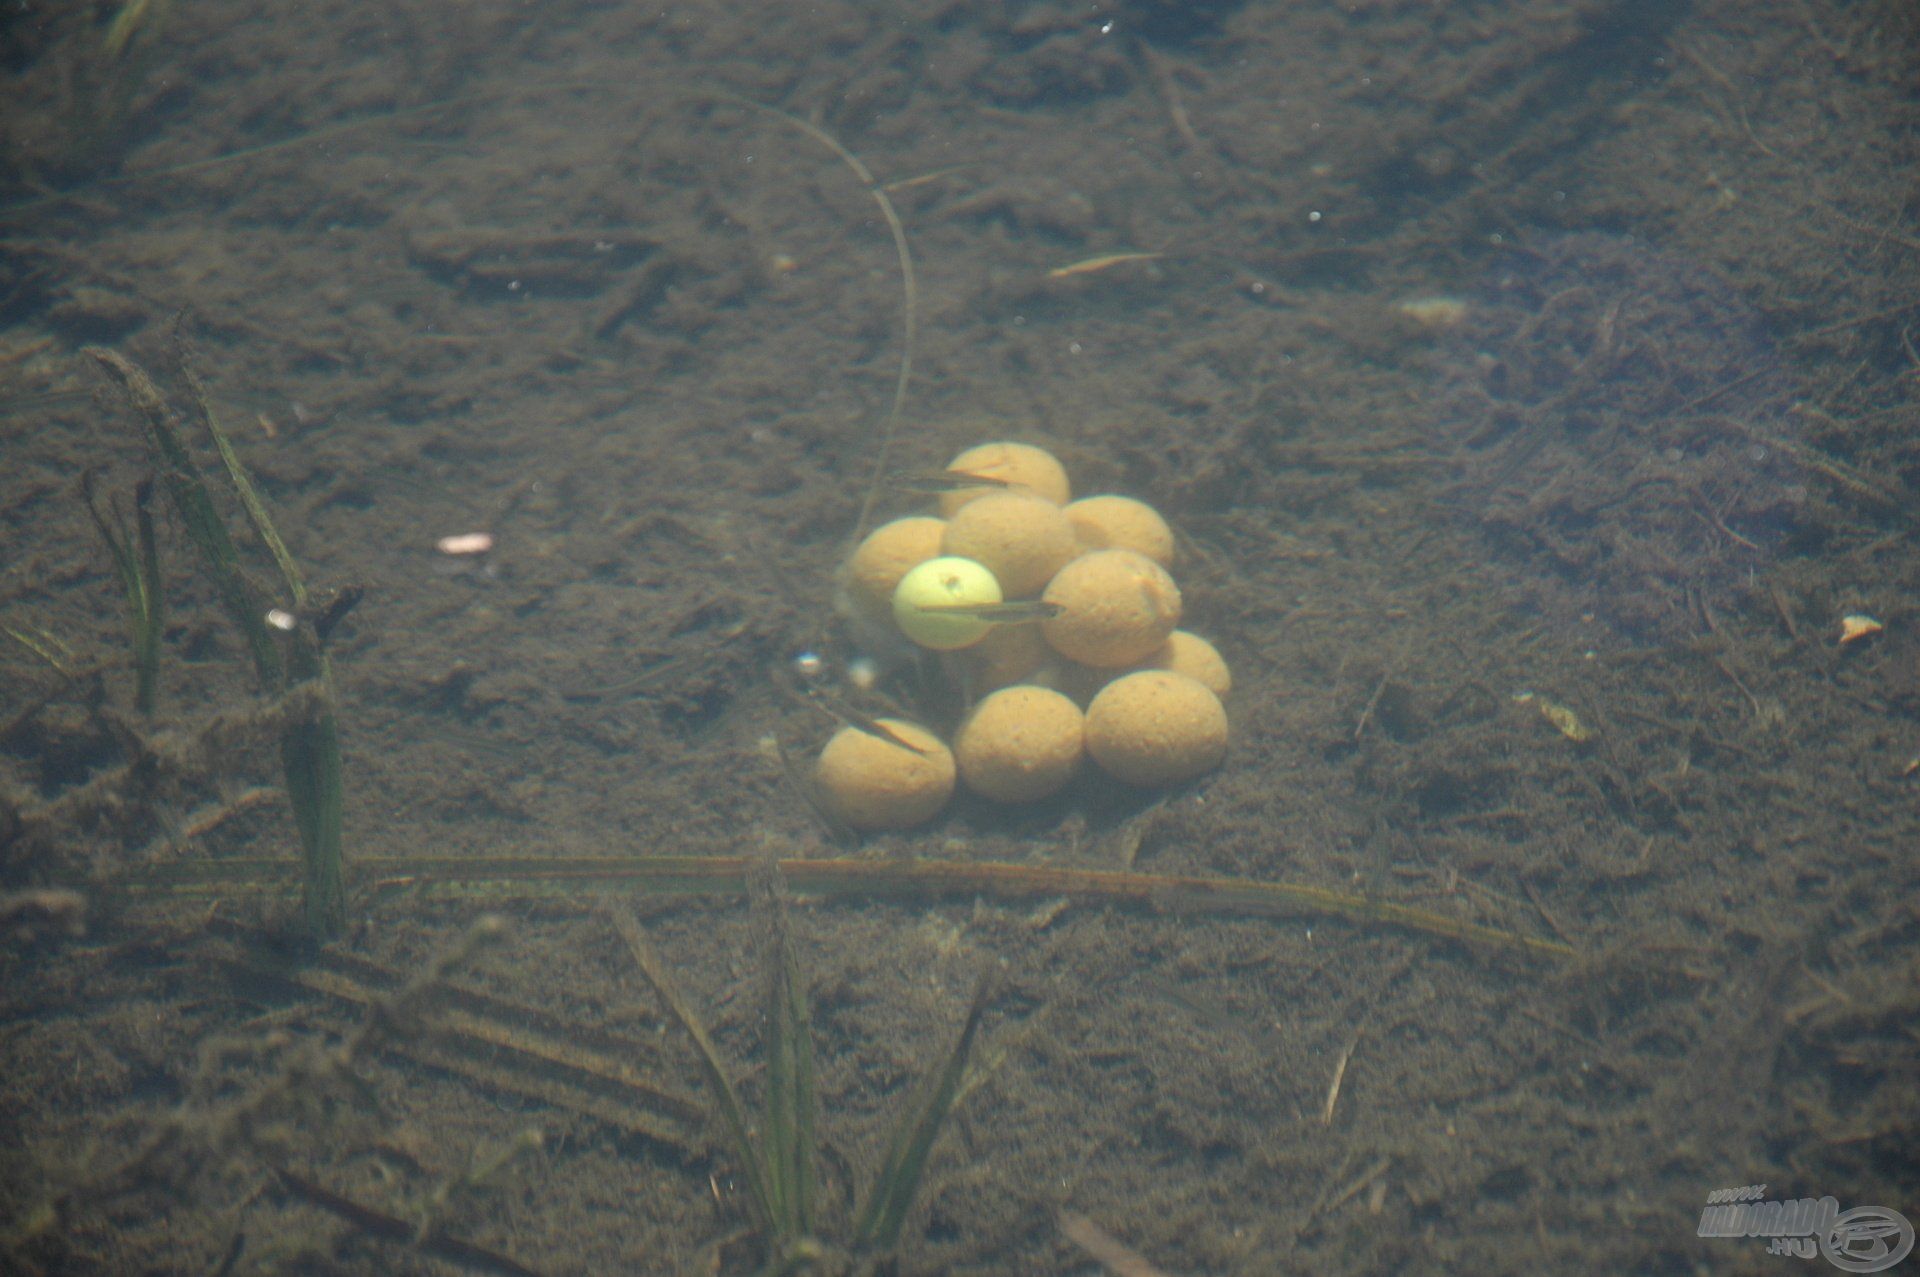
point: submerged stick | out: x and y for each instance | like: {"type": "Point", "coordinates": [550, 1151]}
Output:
{"type": "Point", "coordinates": [507, 878]}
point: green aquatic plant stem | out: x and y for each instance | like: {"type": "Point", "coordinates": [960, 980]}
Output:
{"type": "Point", "coordinates": [310, 737]}
{"type": "Point", "coordinates": [309, 741]}
{"type": "Point", "coordinates": [187, 489]}
{"type": "Point", "coordinates": [791, 1098]}
{"type": "Point", "coordinates": [779, 1166]}
{"type": "Point", "coordinates": [136, 561]}
{"type": "Point", "coordinates": [310, 759]}
{"type": "Point", "coordinates": [152, 618]}
{"type": "Point", "coordinates": [244, 489]}
{"type": "Point", "coordinates": [910, 305]}
{"type": "Point", "coordinates": [885, 1213]}
{"type": "Point", "coordinates": [733, 1114]}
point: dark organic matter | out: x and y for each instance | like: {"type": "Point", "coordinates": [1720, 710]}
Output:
{"type": "Point", "coordinates": [1608, 406]}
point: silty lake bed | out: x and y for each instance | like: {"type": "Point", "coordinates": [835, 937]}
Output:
{"type": "Point", "coordinates": [1532, 389]}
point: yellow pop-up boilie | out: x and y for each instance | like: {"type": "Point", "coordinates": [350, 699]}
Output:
{"type": "Point", "coordinates": [924, 603]}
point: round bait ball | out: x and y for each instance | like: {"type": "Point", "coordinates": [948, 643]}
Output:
{"type": "Point", "coordinates": [873, 784]}
{"type": "Point", "coordinates": [1154, 727]}
{"type": "Point", "coordinates": [944, 582]}
{"type": "Point", "coordinates": [1023, 539]}
{"type": "Point", "coordinates": [1020, 464]}
{"type": "Point", "coordinates": [1121, 523]}
{"type": "Point", "coordinates": [1020, 744]}
{"type": "Point", "coordinates": [889, 552]}
{"type": "Point", "coordinates": [1189, 654]}
{"type": "Point", "coordinates": [1118, 607]}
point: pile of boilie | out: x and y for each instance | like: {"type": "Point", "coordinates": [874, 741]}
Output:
{"type": "Point", "coordinates": [1059, 615]}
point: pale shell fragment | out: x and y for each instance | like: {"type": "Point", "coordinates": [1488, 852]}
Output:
{"type": "Point", "coordinates": [465, 543]}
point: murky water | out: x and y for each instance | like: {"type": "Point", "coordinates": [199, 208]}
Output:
{"type": "Point", "coordinates": [1530, 390]}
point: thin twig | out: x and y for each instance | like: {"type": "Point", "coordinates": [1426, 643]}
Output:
{"type": "Point", "coordinates": [1339, 1077]}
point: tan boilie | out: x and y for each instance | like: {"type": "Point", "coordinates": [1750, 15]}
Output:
{"type": "Point", "coordinates": [1020, 465]}
{"type": "Point", "coordinates": [1117, 608]}
{"type": "Point", "coordinates": [874, 784]}
{"type": "Point", "coordinates": [1183, 653]}
{"type": "Point", "coordinates": [1189, 654]}
{"type": "Point", "coordinates": [1155, 727]}
{"type": "Point", "coordinates": [1121, 523]}
{"type": "Point", "coordinates": [887, 554]}
{"type": "Point", "coordinates": [1020, 744]}
{"type": "Point", "coordinates": [1022, 539]}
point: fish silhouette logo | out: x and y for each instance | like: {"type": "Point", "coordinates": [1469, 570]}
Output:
{"type": "Point", "coordinates": [1867, 1239]}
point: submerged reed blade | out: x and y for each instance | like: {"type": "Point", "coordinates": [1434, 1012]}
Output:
{"type": "Point", "coordinates": [732, 1114]}
{"type": "Point", "coordinates": [153, 615]}
{"type": "Point", "coordinates": [791, 1097]}
{"type": "Point", "coordinates": [242, 481]}
{"type": "Point", "coordinates": [310, 758]}
{"type": "Point", "coordinates": [187, 488]}
{"type": "Point", "coordinates": [136, 561]}
{"type": "Point", "coordinates": [891, 1197]}
{"type": "Point", "coordinates": [310, 739]}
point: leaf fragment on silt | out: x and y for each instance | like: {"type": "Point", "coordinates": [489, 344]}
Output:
{"type": "Point", "coordinates": [1856, 626]}
{"type": "Point", "coordinates": [1564, 720]}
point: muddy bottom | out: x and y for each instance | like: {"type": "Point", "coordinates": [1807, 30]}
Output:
{"type": "Point", "coordinates": [1532, 394]}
